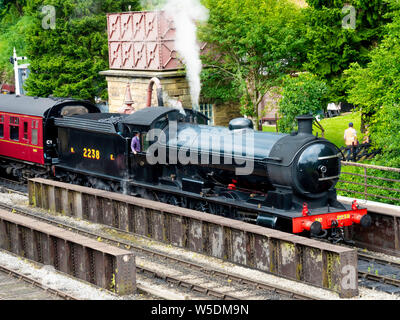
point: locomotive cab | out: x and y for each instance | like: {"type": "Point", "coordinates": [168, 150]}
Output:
{"type": "Point", "coordinates": [152, 123]}
{"type": "Point", "coordinates": [147, 122]}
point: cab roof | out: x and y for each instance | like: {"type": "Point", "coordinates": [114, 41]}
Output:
{"type": "Point", "coordinates": [147, 116]}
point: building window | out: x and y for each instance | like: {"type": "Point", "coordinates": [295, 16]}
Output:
{"type": "Point", "coordinates": [207, 110]}
{"type": "Point", "coordinates": [14, 128]}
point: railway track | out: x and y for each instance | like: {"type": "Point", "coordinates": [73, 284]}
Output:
{"type": "Point", "coordinates": [179, 272]}
{"type": "Point", "coordinates": [379, 273]}
{"type": "Point", "coordinates": [8, 185]}
{"type": "Point", "coordinates": [16, 286]}
{"type": "Point", "coordinates": [375, 273]}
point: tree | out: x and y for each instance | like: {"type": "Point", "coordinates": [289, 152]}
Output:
{"type": "Point", "coordinates": [13, 26]}
{"type": "Point", "coordinates": [375, 89]}
{"type": "Point", "coordinates": [332, 47]}
{"type": "Point", "coordinates": [301, 95]}
{"type": "Point", "coordinates": [66, 60]}
{"type": "Point", "coordinates": [7, 5]}
{"type": "Point", "coordinates": [250, 48]}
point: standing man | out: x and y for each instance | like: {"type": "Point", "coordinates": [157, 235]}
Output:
{"type": "Point", "coordinates": [135, 144]}
{"type": "Point", "coordinates": [350, 139]}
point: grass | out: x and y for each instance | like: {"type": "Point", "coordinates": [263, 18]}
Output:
{"type": "Point", "coordinates": [334, 127]}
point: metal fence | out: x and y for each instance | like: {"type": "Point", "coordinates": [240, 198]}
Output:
{"type": "Point", "coordinates": [359, 153]}
{"type": "Point", "coordinates": [374, 183]}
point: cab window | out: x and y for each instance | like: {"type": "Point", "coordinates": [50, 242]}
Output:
{"type": "Point", "coordinates": [73, 110]}
{"type": "Point", "coordinates": [161, 123]}
{"type": "Point", "coordinates": [145, 143]}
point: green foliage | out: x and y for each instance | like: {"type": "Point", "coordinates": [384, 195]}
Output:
{"type": "Point", "coordinates": [13, 28]}
{"type": "Point", "coordinates": [250, 48]}
{"type": "Point", "coordinates": [66, 61]}
{"type": "Point", "coordinates": [10, 8]}
{"type": "Point", "coordinates": [301, 95]}
{"type": "Point", "coordinates": [332, 48]}
{"type": "Point", "coordinates": [376, 90]}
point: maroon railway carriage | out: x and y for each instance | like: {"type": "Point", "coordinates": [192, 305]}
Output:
{"type": "Point", "coordinates": [27, 135]}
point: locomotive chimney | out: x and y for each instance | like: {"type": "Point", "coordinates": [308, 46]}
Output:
{"type": "Point", "coordinates": [305, 124]}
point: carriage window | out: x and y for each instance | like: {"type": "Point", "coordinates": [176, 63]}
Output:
{"type": "Point", "coordinates": [14, 133]}
{"type": "Point", "coordinates": [26, 130]}
{"type": "Point", "coordinates": [14, 121]}
{"type": "Point", "coordinates": [14, 128]}
{"type": "Point", "coordinates": [35, 127]}
{"type": "Point", "coordinates": [1, 126]}
{"type": "Point", "coordinates": [34, 136]}
{"type": "Point", "coordinates": [73, 110]}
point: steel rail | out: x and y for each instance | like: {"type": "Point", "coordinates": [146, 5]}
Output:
{"type": "Point", "coordinates": [375, 277]}
{"type": "Point", "coordinates": [237, 278]}
{"type": "Point", "coordinates": [369, 257]}
{"type": "Point", "coordinates": [379, 278]}
{"type": "Point", "coordinates": [186, 284]}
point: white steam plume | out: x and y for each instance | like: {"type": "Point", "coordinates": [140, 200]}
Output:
{"type": "Point", "coordinates": [173, 103]}
{"type": "Point", "coordinates": [185, 14]}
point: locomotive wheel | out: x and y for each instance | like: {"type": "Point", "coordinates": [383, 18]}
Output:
{"type": "Point", "coordinates": [168, 199]}
{"type": "Point", "coordinates": [201, 206]}
{"type": "Point", "coordinates": [115, 187]}
{"type": "Point", "coordinates": [174, 201]}
{"type": "Point", "coordinates": [216, 209]}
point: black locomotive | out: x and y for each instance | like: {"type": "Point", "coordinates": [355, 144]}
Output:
{"type": "Point", "coordinates": [280, 181]}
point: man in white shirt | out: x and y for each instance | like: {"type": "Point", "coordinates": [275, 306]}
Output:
{"type": "Point", "coordinates": [350, 139]}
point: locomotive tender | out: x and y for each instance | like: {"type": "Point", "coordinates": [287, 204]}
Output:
{"type": "Point", "coordinates": [279, 181]}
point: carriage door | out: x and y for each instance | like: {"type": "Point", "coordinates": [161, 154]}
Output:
{"type": "Point", "coordinates": [25, 139]}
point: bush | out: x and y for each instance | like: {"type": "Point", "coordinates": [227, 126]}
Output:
{"type": "Point", "coordinates": [301, 95]}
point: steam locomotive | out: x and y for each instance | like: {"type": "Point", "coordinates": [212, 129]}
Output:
{"type": "Point", "coordinates": [280, 181]}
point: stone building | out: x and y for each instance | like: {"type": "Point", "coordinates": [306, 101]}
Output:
{"type": "Point", "coordinates": [141, 48]}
